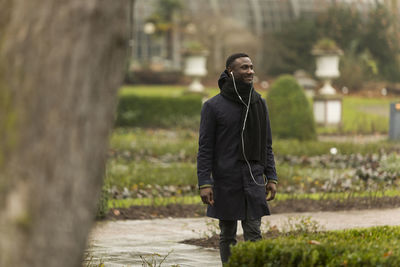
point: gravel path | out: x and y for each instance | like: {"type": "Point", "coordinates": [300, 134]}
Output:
{"type": "Point", "coordinates": [121, 243]}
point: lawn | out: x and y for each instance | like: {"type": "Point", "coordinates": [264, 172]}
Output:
{"type": "Point", "coordinates": [363, 116]}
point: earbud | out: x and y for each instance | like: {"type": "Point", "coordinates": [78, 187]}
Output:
{"type": "Point", "coordinates": [233, 77]}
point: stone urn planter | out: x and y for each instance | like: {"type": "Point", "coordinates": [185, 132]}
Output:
{"type": "Point", "coordinates": [327, 104]}
{"type": "Point", "coordinates": [327, 69]}
{"type": "Point", "coordinates": [195, 67]}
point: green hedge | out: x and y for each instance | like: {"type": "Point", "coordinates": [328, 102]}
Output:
{"type": "Point", "coordinates": [158, 111]}
{"type": "Point", "coordinates": [377, 246]}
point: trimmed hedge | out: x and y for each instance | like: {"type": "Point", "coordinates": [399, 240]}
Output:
{"type": "Point", "coordinates": [158, 111]}
{"type": "Point", "coordinates": [377, 246]}
{"type": "Point", "coordinates": [290, 112]}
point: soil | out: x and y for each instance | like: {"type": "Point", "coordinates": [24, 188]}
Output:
{"type": "Point", "coordinates": [213, 241]}
{"type": "Point", "coordinates": [310, 205]}
{"type": "Point", "coordinates": [286, 206]}
{"type": "Point", "coordinates": [157, 212]}
{"type": "Point", "coordinates": [207, 242]}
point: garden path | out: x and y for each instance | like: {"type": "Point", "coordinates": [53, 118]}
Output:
{"type": "Point", "coordinates": [121, 243]}
{"type": "Point", "coordinates": [357, 139]}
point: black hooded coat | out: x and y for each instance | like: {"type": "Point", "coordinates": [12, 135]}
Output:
{"type": "Point", "coordinates": [236, 196]}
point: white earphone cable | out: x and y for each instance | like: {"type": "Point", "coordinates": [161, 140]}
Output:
{"type": "Point", "coordinates": [244, 127]}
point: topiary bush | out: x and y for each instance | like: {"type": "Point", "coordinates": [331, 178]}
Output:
{"type": "Point", "coordinates": [376, 246]}
{"type": "Point", "coordinates": [290, 112]}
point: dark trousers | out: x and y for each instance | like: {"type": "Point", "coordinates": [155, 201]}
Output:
{"type": "Point", "coordinates": [227, 237]}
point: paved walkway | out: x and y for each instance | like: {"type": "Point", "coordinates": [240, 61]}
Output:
{"type": "Point", "coordinates": [121, 243]}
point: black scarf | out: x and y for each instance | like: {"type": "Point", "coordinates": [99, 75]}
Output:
{"type": "Point", "coordinates": [255, 134]}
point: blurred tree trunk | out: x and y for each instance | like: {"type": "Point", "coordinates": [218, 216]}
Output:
{"type": "Point", "coordinates": [61, 63]}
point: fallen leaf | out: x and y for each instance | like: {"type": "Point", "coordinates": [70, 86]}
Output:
{"type": "Point", "coordinates": [274, 228]}
{"type": "Point", "coordinates": [116, 212]}
{"type": "Point", "coordinates": [314, 242]}
{"type": "Point", "coordinates": [387, 254]}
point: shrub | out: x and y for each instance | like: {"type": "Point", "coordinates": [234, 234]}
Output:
{"type": "Point", "coordinates": [390, 164]}
{"type": "Point", "coordinates": [326, 45]}
{"type": "Point", "coordinates": [147, 76]}
{"type": "Point", "coordinates": [375, 246]}
{"type": "Point", "coordinates": [290, 112]}
{"type": "Point", "coordinates": [158, 111]}
{"type": "Point", "coordinates": [102, 205]}
{"type": "Point", "coordinates": [356, 68]}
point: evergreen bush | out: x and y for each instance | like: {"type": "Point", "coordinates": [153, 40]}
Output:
{"type": "Point", "coordinates": [158, 111]}
{"type": "Point", "coordinates": [102, 204]}
{"type": "Point", "coordinates": [290, 112]}
{"type": "Point", "coordinates": [377, 246]}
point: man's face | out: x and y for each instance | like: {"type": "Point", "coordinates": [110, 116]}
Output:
{"type": "Point", "coordinates": [242, 69]}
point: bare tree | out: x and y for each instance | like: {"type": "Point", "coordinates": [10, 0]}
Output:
{"type": "Point", "coordinates": [222, 36]}
{"type": "Point", "coordinates": [60, 65]}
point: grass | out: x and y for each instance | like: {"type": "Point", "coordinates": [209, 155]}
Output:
{"type": "Point", "coordinates": [146, 90]}
{"type": "Point", "coordinates": [157, 143]}
{"type": "Point", "coordinates": [163, 201]}
{"type": "Point", "coordinates": [158, 201]}
{"type": "Point", "coordinates": [304, 176]}
{"type": "Point", "coordinates": [339, 195]}
{"type": "Point", "coordinates": [130, 173]}
{"type": "Point", "coordinates": [363, 116]}
{"type": "Point", "coordinates": [161, 90]}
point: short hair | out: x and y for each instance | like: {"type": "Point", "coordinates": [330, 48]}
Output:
{"type": "Point", "coordinates": [232, 58]}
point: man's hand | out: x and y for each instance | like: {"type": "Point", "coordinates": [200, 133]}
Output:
{"type": "Point", "coordinates": [271, 190]}
{"type": "Point", "coordinates": [206, 195]}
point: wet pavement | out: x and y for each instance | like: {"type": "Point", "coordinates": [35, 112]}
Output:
{"type": "Point", "coordinates": [129, 243]}
{"type": "Point", "coordinates": [122, 243]}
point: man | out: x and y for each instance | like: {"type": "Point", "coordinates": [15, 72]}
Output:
{"type": "Point", "coordinates": [235, 153]}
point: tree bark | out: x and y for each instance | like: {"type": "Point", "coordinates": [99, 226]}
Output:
{"type": "Point", "coordinates": [61, 63]}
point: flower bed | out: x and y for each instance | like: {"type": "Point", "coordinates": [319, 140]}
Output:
{"type": "Point", "coordinates": [151, 166]}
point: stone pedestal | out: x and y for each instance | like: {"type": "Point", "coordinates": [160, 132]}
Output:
{"type": "Point", "coordinates": [327, 104]}
{"type": "Point", "coordinates": [328, 110]}
{"type": "Point", "coordinates": [394, 125]}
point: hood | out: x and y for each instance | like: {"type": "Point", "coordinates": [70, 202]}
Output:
{"type": "Point", "coordinates": [223, 78]}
